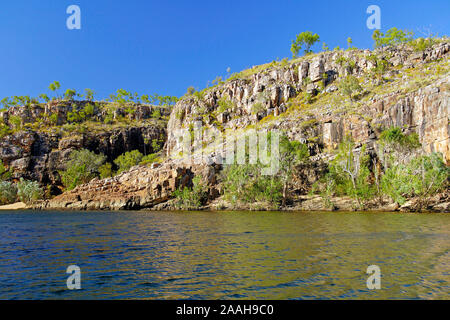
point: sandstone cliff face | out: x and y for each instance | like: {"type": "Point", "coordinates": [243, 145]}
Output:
{"type": "Point", "coordinates": [140, 187]}
{"type": "Point", "coordinates": [424, 110]}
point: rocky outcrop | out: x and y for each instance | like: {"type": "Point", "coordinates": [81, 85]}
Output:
{"type": "Point", "coordinates": [424, 110]}
{"type": "Point", "coordinates": [141, 187]}
{"type": "Point", "coordinates": [39, 156]}
{"type": "Point", "coordinates": [39, 153]}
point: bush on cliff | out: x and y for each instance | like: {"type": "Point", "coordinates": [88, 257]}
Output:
{"type": "Point", "coordinates": [5, 174]}
{"type": "Point", "coordinates": [128, 160]}
{"type": "Point", "coordinates": [349, 173]}
{"type": "Point", "coordinates": [423, 176]}
{"type": "Point", "coordinates": [82, 167]}
{"type": "Point", "coordinates": [191, 198]}
{"type": "Point", "coordinates": [8, 192]}
{"type": "Point", "coordinates": [291, 153]}
{"type": "Point", "coordinates": [105, 170]}
{"type": "Point", "coordinates": [29, 191]}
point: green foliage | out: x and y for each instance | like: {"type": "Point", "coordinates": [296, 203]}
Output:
{"type": "Point", "coordinates": [396, 137]}
{"type": "Point", "coordinates": [82, 167]}
{"type": "Point", "coordinates": [76, 116]}
{"type": "Point", "coordinates": [349, 172]}
{"type": "Point", "coordinates": [304, 40]}
{"type": "Point", "coordinates": [16, 122]}
{"type": "Point", "coordinates": [224, 104]}
{"type": "Point", "coordinates": [349, 85]}
{"type": "Point", "coordinates": [44, 97]}
{"type": "Point", "coordinates": [4, 173]}
{"type": "Point", "coordinates": [381, 66]}
{"type": "Point", "coordinates": [54, 86]}
{"type": "Point", "coordinates": [244, 183]}
{"type": "Point", "coordinates": [190, 91]}
{"type": "Point", "coordinates": [258, 107]}
{"type": "Point", "coordinates": [392, 37]}
{"type": "Point", "coordinates": [105, 170]}
{"type": "Point", "coordinates": [149, 159]}
{"type": "Point", "coordinates": [70, 94]}
{"type": "Point", "coordinates": [157, 145]}
{"type": "Point", "coordinates": [156, 114]}
{"type": "Point", "coordinates": [29, 191]}
{"type": "Point", "coordinates": [89, 109]}
{"type": "Point", "coordinates": [191, 198]}
{"type": "Point", "coordinates": [422, 176]}
{"type": "Point", "coordinates": [8, 192]}
{"type": "Point", "coordinates": [5, 130]}
{"type": "Point", "coordinates": [421, 44]}
{"type": "Point", "coordinates": [89, 94]}
{"type": "Point", "coordinates": [128, 160]}
{"type": "Point", "coordinates": [53, 118]}
{"type": "Point", "coordinates": [291, 153]}
{"type": "Point", "coordinates": [349, 42]}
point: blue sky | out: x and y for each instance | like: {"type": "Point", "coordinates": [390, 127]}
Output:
{"type": "Point", "coordinates": [164, 47]}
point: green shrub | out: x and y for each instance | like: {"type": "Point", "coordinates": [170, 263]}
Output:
{"type": "Point", "coordinates": [422, 176]}
{"type": "Point", "coordinates": [29, 191]}
{"type": "Point", "coordinates": [4, 173]}
{"type": "Point", "coordinates": [393, 36]}
{"type": "Point", "coordinates": [156, 114]}
{"type": "Point", "coordinates": [149, 159]}
{"type": "Point", "coordinates": [8, 192]}
{"type": "Point", "coordinates": [191, 198]}
{"type": "Point", "coordinates": [128, 160]}
{"type": "Point", "coordinates": [396, 137]}
{"type": "Point", "coordinates": [350, 172]}
{"type": "Point", "coordinates": [82, 167]}
{"type": "Point", "coordinates": [349, 85]}
{"type": "Point", "coordinates": [224, 104]}
{"type": "Point", "coordinates": [5, 130]}
{"type": "Point", "coordinates": [16, 122]}
{"type": "Point", "coordinates": [244, 183]}
{"type": "Point", "coordinates": [258, 107]}
{"type": "Point", "coordinates": [89, 109]}
{"type": "Point", "coordinates": [105, 170]}
{"type": "Point", "coordinates": [422, 44]}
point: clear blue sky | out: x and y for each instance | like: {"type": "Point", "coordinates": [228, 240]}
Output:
{"type": "Point", "coordinates": [163, 47]}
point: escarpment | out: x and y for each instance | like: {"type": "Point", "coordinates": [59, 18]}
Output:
{"type": "Point", "coordinates": [40, 150]}
{"type": "Point", "coordinates": [304, 98]}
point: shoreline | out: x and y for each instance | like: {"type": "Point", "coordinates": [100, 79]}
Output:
{"type": "Point", "coordinates": [14, 206]}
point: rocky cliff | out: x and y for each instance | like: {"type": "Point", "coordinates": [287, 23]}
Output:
{"type": "Point", "coordinates": [301, 97]}
{"type": "Point", "coordinates": [39, 150]}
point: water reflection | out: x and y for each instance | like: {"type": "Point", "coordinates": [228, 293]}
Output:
{"type": "Point", "coordinates": [239, 255]}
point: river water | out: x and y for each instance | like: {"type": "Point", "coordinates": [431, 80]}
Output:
{"type": "Point", "coordinates": [239, 255]}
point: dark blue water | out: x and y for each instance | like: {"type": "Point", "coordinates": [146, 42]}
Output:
{"type": "Point", "coordinates": [242, 255]}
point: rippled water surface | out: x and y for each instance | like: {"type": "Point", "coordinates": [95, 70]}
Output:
{"type": "Point", "coordinates": [242, 255]}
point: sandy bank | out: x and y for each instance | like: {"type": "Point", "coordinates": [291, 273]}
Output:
{"type": "Point", "coordinates": [14, 206]}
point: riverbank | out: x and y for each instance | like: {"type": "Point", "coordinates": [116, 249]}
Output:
{"type": "Point", "coordinates": [439, 203]}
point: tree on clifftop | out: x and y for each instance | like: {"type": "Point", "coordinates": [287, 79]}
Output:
{"type": "Point", "coordinates": [304, 40]}
{"type": "Point", "coordinates": [55, 87]}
